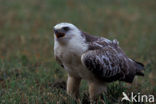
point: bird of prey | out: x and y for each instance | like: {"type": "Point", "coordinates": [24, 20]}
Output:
{"type": "Point", "coordinates": [95, 59]}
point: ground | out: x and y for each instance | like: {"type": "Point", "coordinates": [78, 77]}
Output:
{"type": "Point", "coordinates": [28, 70]}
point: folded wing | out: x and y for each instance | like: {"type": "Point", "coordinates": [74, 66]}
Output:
{"type": "Point", "coordinates": [107, 64]}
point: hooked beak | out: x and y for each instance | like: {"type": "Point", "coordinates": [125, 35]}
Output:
{"type": "Point", "coordinates": [59, 33]}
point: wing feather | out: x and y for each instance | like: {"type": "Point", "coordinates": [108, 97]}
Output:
{"type": "Point", "coordinates": [105, 63]}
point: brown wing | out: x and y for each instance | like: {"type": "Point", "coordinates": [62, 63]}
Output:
{"type": "Point", "coordinates": [106, 64]}
{"type": "Point", "coordinates": [107, 60]}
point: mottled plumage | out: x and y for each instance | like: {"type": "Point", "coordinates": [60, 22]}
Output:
{"type": "Point", "coordinates": [107, 61]}
{"type": "Point", "coordinates": [95, 59]}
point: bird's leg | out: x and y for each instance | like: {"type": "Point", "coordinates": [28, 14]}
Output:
{"type": "Point", "coordinates": [95, 89]}
{"type": "Point", "coordinates": [73, 84]}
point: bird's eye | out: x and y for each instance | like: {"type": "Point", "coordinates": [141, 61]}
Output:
{"type": "Point", "coordinates": [66, 28]}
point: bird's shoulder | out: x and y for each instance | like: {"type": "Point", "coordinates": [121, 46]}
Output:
{"type": "Point", "coordinates": [95, 42]}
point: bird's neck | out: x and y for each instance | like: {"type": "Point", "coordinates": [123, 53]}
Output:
{"type": "Point", "coordinates": [76, 45]}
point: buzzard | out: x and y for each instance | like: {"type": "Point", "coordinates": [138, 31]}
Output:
{"type": "Point", "coordinates": [97, 60]}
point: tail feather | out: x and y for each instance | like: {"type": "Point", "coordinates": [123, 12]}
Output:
{"type": "Point", "coordinates": [140, 73]}
{"type": "Point", "coordinates": [139, 68]}
{"type": "Point", "coordinates": [139, 63]}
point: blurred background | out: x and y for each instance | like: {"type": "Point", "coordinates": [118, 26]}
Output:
{"type": "Point", "coordinates": [28, 70]}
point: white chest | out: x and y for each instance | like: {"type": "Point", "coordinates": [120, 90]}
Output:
{"type": "Point", "coordinates": [70, 57]}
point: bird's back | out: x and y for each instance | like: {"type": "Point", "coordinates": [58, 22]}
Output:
{"type": "Point", "coordinates": [110, 52]}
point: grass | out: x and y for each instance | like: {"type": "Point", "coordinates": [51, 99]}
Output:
{"type": "Point", "coordinates": [28, 69]}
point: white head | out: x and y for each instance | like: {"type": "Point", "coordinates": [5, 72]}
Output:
{"type": "Point", "coordinates": [63, 32]}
